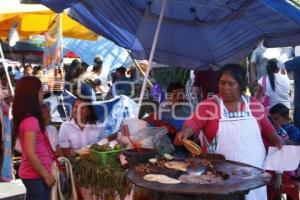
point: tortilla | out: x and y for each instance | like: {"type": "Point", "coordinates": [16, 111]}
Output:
{"type": "Point", "coordinates": [192, 147]}
{"type": "Point", "coordinates": [181, 166]}
{"type": "Point", "coordinates": [161, 179]}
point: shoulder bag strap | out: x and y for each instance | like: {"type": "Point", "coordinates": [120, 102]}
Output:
{"type": "Point", "coordinates": [49, 146]}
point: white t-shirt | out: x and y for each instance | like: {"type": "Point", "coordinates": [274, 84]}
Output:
{"type": "Point", "coordinates": [53, 136]}
{"type": "Point", "coordinates": [71, 136]}
{"type": "Point", "coordinates": [261, 55]}
{"type": "Point", "coordinates": [282, 89]}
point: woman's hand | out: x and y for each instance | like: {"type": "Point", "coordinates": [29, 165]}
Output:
{"type": "Point", "coordinates": [49, 180]}
{"type": "Point", "coordinates": [180, 136]}
{"type": "Point", "coordinates": [183, 135]}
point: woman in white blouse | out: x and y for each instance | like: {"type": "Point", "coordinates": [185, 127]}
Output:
{"type": "Point", "coordinates": [276, 85]}
{"type": "Point", "coordinates": [81, 130]}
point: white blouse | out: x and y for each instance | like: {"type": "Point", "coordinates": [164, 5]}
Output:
{"type": "Point", "coordinates": [282, 89]}
{"type": "Point", "coordinates": [71, 136]}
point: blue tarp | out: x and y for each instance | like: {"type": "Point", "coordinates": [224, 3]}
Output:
{"type": "Point", "coordinates": [194, 32]}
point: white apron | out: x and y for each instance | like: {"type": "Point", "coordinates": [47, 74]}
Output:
{"type": "Point", "coordinates": [239, 139]}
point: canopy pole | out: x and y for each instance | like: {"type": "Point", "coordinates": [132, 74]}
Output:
{"type": "Point", "coordinates": [161, 16]}
{"type": "Point", "coordinates": [6, 71]}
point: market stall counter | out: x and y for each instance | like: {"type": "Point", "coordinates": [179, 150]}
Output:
{"type": "Point", "coordinates": [225, 180]}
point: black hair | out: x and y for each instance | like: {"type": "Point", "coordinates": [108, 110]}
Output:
{"type": "Point", "coordinates": [9, 68]}
{"type": "Point", "coordinates": [84, 65]}
{"type": "Point", "coordinates": [121, 69]}
{"type": "Point", "coordinates": [238, 73]}
{"type": "Point", "coordinates": [174, 86]}
{"type": "Point", "coordinates": [281, 110]}
{"type": "Point", "coordinates": [92, 118]}
{"type": "Point", "coordinates": [36, 69]}
{"type": "Point", "coordinates": [26, 102]}
{"type": "Point", "coordinates": [271, 69]}
{"type": "Point", "coordinates": [97, 64]}
{"type": "Point", "coordinates": [74, 71]}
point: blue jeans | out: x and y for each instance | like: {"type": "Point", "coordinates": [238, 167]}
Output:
{"type": "Point", "coordinates": [36, 189]}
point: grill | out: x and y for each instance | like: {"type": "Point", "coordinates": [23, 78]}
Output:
{"type": "Point", "coordinates": [241, 178]}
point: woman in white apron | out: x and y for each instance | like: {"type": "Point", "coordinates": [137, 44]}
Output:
{"type": "Point", "coordinates": [228, 121]}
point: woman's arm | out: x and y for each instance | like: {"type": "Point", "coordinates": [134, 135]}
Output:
{"type": "Point", "coordinates": [207, 111]}
{"type": "Point", "coordinates": [274, 140]}
{"type": "Point", "coordinates": [185, 132]}
{"type": "Point", "coordinates": [35, 162]}
{"type": "Point", "coordinates": [258, 92]}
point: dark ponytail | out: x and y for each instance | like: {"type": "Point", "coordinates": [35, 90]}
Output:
{"type": "Point", "coordinates": [271, 70]}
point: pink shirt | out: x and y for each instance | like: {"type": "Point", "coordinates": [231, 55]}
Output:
{"type": "Point", "coordinates": [207, 116]}
{"type": "Point", "coordinates": [30, 125]}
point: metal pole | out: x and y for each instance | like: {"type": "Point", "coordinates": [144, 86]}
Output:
{"type": "Point", "coordinates": [161, 16]}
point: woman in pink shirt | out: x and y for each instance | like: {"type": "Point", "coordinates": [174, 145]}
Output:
{"type": "Point", "coordinates": [233, 124]}
{"type": "Point", "coordinates": [29, 127]}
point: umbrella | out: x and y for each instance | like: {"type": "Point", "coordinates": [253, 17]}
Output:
{"type": "Point", "coordinates": [36, 19]}
{"type": "Point", "coordinates": [24, 51]}
{"type": "Point", "coordinates": [194, 33]}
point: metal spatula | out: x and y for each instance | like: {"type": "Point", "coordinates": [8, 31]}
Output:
{"type": "Point", "coordinates": [196, 169]}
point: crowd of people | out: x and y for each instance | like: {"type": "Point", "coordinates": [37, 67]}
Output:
{"type": "Point", "coordinates": [218, 121]}
{"type": "Point", "coordinates": [38, 141]}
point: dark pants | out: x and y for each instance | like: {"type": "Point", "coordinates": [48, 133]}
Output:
{"type": "Point", "coordinates": [36, 189]}
{"type": "Point", "coordinates": [297, 116]}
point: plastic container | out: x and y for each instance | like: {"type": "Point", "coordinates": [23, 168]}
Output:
{"type": "Point", "coordinates": [106, 158]}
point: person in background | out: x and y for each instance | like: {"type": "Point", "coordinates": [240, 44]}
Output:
{"type": "Point", "coordinates": [261, 55]}
{"type": "Point", "coordinates": [18, 74]}
{"type": "Point", "coordinates": [276, 85]}
{"type": "Point", "coordinates": [37, 71]}
{"type": "Point", "coordinates": [222, 118]}
{"type": "Point", "coordinates": [52, 132]}
{"type": "Point", "coordinates": [74, 71]}
{"type": "Point", "coordinates": [205, 83]}
{"type": "Point", "coordinates": [293, 65]}
{"type": "Point", "coordinates": [122, 84]}
{"type": "Point", "coordinates": [81, 130]}
{"type": "Point", "coordinates": [290, 134]}
{"type": "Point", "coordinates": [92, 78]}
{"type": "Point", "coordinates": [280, 116]}
{"type": "Point", "coordinates": [27, 70]}
{"type": "Point", "coordinates": [85, 66]}
{"type": "Point", "coordinates": [172, 112]}
{"type": "Point", "coordinates": [74, 83]}
{"type": "Point", "coordinates": [29, 128]}
{"type": "Point", "coordinates": [10, 71]}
